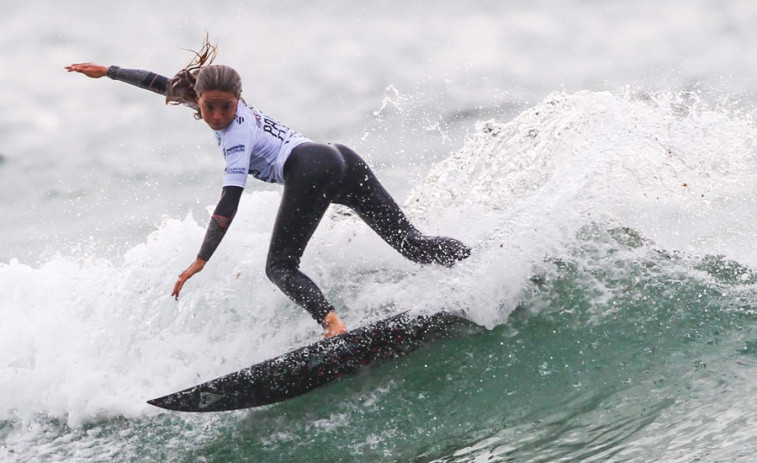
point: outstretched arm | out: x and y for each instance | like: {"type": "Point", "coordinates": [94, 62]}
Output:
{"type": "Point", "coordinates": [219, 223]}
{"type": "Point", "coordinates": [142, 79]}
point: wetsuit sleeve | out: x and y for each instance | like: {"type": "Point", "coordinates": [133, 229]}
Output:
{"type": "Point", "coordinates": [142, 79]}
{"type": "Point", "coordinates": [219, 223]}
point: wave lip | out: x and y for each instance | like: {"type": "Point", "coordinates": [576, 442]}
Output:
{"type": "Point", "coordinates": [577, 190]}
{"type": "Point", "coordinates": [666, 164]}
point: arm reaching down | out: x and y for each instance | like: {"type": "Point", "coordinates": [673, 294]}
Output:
{"type": "Point", "coordinates": [219, 223]}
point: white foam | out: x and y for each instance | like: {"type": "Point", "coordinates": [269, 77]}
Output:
{"type": "Point", "coordinates": [666, 165]}
{"type": "Point", "coordinates": [85, 337]}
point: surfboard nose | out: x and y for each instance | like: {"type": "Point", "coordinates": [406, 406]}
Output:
{"type": "Point", "coordinates": [309, 367]}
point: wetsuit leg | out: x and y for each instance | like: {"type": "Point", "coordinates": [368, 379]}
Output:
{"type": "Point", "coordinates": [363, 192]}
{"type": "Point", "coordinates": [312, 175]}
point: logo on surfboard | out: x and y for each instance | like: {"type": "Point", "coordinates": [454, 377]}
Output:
{"type": "Point", "coordinates": [208, 398]}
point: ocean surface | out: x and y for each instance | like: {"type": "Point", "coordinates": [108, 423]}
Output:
{"type": "Point", "coordinates": [599, 157]}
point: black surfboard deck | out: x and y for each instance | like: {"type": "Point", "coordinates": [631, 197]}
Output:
{"type": "Point", "coordinates": [309, 367]}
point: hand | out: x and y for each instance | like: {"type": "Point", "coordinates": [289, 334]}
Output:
{"type": "Point", "coordinates": [92, 70]}
{"type": "Point", "coordinates": [196, 266]}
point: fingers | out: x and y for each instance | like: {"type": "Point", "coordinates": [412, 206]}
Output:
{"type": "Point", "coordinates": [185, 275]}
{"type": "Point", "coordinates": [177, 288]}
{"type": "Point", "coordinates": [88, 69]}
{"type": "Point", "coordinates": [195, 267]}
{"type": "Point", "coordinates": [78, 67]}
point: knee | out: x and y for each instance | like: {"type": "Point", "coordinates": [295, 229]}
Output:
{"type": "Point", "coordinates": [271, 271]}
{"type": "Point", "coordinates": [437, 249]}
{"type": "Point", "coordinates": [278, 270]}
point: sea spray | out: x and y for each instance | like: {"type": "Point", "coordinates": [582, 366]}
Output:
{"type": "Point", "coordinates": [667, 165]}
{"type": "Point", "coordinates": [612, 262]}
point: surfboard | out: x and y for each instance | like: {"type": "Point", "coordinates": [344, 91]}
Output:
{"type": "Point", "coordinates": [312, 366]}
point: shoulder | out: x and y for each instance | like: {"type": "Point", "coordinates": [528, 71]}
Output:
{"type": "Point", "coordinates": [238, 125]}
{"type": "Point", "coordinates": [232, 136]}
{"type": "Point", "coordinates": [245, 119]}
{"type": "Point", "coordinates": [251, 115]}
{"type": "Point", "coordinates": [236, 137]}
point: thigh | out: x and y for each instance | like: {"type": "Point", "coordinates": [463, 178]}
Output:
{"type": "Point", "coordinates": [364, 193]}
{"type": "Point", "coordinates": [312, 175]}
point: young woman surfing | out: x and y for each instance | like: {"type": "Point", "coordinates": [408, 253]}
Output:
{"type": "Point", "coordinates": [314, 175]}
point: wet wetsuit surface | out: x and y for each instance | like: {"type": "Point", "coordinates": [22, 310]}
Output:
{"type": "Point", "coordinates": [317, 175]}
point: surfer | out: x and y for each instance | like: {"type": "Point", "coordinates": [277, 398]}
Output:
{"type": "Point", "coordinates": [314, 175]}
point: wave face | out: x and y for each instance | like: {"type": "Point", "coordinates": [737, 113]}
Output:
{"type": "Point", "coordinates": [613, 271]}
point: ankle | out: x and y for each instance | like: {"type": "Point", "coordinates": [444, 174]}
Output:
{"type": "Point", "coordinates": [332, 325]}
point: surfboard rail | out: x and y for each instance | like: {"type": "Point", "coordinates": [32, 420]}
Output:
{"type": "Point", "coordinates": [304, 369]}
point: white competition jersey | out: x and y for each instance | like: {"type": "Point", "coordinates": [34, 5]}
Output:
{"type": "Point", "coordinates": [255, 144]}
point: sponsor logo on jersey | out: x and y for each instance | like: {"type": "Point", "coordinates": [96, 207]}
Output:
{"type": "Point", "coordinates": [239, 119]}
{"type": "Point", "coordinates": [274, 128]}
{"type": "Point", "coordinates": [235, 171]}
{"type": "Point", "coordinates": [232, 150]}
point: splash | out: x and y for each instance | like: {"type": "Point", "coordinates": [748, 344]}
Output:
{"type": "Point", "coordinates": [667, 165]}
{"type": "Point", "coordinates": [87, 337]}
{"type": "Point", "coordinates": [614, 151]}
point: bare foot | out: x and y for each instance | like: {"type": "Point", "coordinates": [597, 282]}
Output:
{"type": "Point", "coordinates": [332, 326]}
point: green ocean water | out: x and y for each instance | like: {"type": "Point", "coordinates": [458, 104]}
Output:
{"type": "Point", "coordinates": [611, 291]}
{"type": "Point", "coordinates": [622, 352]}
{"type": "Point", "coordinates": [611, 295]}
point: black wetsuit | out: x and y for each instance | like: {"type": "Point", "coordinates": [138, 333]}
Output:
{"type": "Point", "coordinates": [316, 175]}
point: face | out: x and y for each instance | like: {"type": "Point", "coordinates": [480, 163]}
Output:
{"type": "Point", "coordinates": [217, 108]}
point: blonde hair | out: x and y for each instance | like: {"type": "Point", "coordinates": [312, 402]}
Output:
{"type": "Point", "coordinates": [200, 76]}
